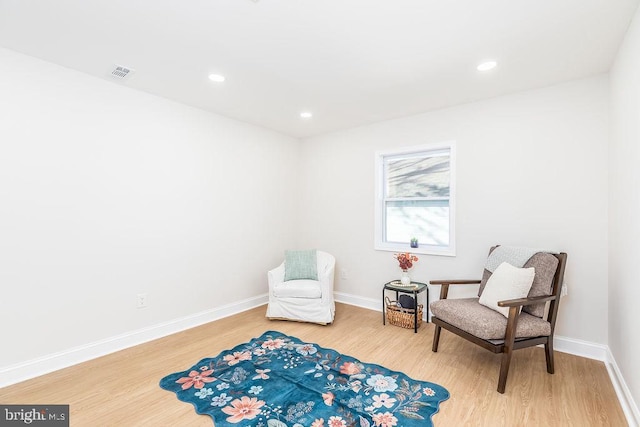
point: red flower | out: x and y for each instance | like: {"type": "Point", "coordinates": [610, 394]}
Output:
{"type": "Point", "coordinates": [196, 379]}
{"type": "Point", "coordinates": [243, 409]}
{"type": "Point", "coordinates": [328, 398]}
{"type": "Point", "coordinates": [350, 368]}
{"type": "Point", "coordinates": [405, 260]}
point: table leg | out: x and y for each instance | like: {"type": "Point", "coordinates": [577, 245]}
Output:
{"type": "Point", "coordinates": [384, 309]}
{"type": "Point", "coordinates": [415, 312]}
{"type": "Point", "coordinates": [427, 306]}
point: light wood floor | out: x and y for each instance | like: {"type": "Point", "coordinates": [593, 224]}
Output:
{"type": "Point", "coordinates": [121, 389]}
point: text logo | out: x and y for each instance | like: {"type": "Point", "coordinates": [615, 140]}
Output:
{"type": "Point", "coordinates": [34, 415]}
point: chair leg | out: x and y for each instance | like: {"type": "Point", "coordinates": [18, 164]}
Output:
{"type": "Point", "coordinates": [548, 349]}
{"type": "Point", "coordinates": [436, 339]}
{"type": "Point", "coordinates": [504, 370]}
{"type": "Point", "coordinates": [510, 335]}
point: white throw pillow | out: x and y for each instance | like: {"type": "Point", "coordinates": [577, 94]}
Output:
{"type": "Point", "coordinates": [506, 282]}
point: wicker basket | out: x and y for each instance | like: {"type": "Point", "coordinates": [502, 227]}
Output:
{"type": "Point", "coordinates": [403, 317]}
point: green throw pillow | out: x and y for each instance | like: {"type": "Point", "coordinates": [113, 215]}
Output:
{"type": "Point", "coordinates": [300, 265]}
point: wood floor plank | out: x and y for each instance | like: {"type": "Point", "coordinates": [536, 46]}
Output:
{"type": "Point", "coordinates": [121, 389]}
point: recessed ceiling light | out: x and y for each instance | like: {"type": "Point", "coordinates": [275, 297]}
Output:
{"type": "Point", "coordinates": [488, 65]}
{"type": "Point", "coordinates": [218, 78]}
{"type": "Point", "coordinates": [306, 115]}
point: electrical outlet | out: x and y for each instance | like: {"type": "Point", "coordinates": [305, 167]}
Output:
{"type": "Point", "coordinates": [141, 300]}
{"type": "Point", "coordinates": [343, 274]}
{"type": "Point", "coordinates": [564, 291]}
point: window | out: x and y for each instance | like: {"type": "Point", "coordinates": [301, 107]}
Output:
{"type": "Point", "coordinates": [415, 195]}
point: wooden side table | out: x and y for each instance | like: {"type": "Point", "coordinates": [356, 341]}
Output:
{"type": "Point", "coordinates": [414, 288]}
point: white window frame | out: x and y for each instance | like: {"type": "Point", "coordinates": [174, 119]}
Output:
{"type": "Point", "coordinates": [380, 220]}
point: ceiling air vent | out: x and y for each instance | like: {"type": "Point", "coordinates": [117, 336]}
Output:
{"type": "Point", "coordinates": [120, 72]}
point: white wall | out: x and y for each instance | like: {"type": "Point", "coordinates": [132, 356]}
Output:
{"type": "Point", "coordinates": [624, 210]}
{"type": "Point", "coordinates": [106, 192]}
{"type": "Point", "coordinates": [532, 171]}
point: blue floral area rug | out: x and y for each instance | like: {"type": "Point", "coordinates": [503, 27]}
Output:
{"type": "Point", "coordinates": [277, 380]}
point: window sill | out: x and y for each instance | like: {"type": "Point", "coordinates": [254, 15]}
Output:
{"type": "Point", "coordinates": [422, 249]}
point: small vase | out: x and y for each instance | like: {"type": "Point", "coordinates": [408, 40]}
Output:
{"type": "Point", "coordinates": [404, 278]}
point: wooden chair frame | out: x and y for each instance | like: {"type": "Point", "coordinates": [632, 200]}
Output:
{"type": "Point", "coordinates": [510, 343]}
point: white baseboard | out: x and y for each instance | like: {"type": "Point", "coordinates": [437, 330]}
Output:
{"type": "Point", "coordinates": [43, 365]}
{"type": "Point", "coordinates": [603, 353]}
{"type": "Point", "coordinates": [368, 303]}
{"type": "Point", "coordinates": [581, 348]}
{"type": "Point", "coordinates": [629, 406]}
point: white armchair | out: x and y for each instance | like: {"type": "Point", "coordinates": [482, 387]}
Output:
{"type": "Point", "coordinates": [303, 300]}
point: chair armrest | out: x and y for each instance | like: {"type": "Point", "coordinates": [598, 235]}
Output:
{"type": "Point", "coordinates": [454, 282]}
{"type": "Point", "coordinates": [444, 290]}
{"type": "Point", "coordinates": [275, 276]}
{"type": "Point", "coordinates": [512, 319]}
{"type": "Point", "coordinates": [326, 279]}
{"type": "Point", "coordinates": [525, 301]}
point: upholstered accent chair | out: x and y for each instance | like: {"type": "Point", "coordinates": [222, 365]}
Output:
{"type": "Point", "coordinates": [302, 292]}
{"type": "Point", "coordinates": [529, 320]}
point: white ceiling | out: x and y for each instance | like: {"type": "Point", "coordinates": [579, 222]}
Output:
{"type": "Point", "coordinates": [350, 62]}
